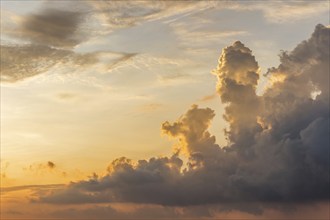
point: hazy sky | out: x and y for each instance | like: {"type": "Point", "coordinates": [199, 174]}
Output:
{"type": "Point", "coordinates": [84, 83]}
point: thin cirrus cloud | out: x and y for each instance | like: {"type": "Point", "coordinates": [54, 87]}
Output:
{"type": "Point", "coordinates": [278, 142]}
{"type": "Point", "coordinates": [198, 35]}
{"type": "Point", "coordinates": [282, 11]}
{"type": "Point", "coordinates": [117, 14]}
{"type": "Point", "coordinates": [292, 12]}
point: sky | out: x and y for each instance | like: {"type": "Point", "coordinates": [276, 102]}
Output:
{"type": "Point", "coordinates": [165, 109]}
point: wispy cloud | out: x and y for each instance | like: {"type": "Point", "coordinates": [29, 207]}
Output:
{"type": "Point", "coordinates": [41, 167]}
{"type": "Point", "coordinates": [283, 11]}
{"type": "Point", "coordinates": [31, 187]}
{"type": "Point", "coordinates": [208, 98]}
{"type": "Point", "coordinates": [151, 107]}
{"type": "Point", "coordinates": [199, 37]}
{"type": "Point", "coordinates": [21, 62]}
{"type": "Point", "coordinates": [118, 14]}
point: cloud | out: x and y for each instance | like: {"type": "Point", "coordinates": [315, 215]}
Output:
{"type": "Point", "coordinates": [52, 27]}
{"type": "Point", "coordinates": [119, 62]}
{"type": "Point", "coordinates": [40, 168]}
{"type": "Point", "coordinates": [280, 13]}
{"type": "Point", "coordinates": [208, 98]}
{"type": "Point", "coordinates": [31, 187]}
{"type": "Point", "coordinates": [4, 166]}
{"type": "Point", "coordinates": [199, 35]}
{"type": "Point", "coordinates": [151, 107]}
{"type": "Point", "coordinates": [66, 96]}
{"type": "Point", "coordinates": [17, 65]}
{"type": "Point", "coordinates": [277, 152]}
{"type": "Point", "coordinates": [283, 11]}
{"type": "Point", "coordinates": [191, 130]}
{"type": "Point", "coordinates": [51, 164]}
{"type": "Point", "coordinates": [48, 36]}
{"type": "Point", "coordinates": [238, 74]}
{"type": "Point", "coordinates": [19, 62]}
{"type": "Point", "coordinates": [46, 40]}
{"type": "Point", "coordinates": [116, 14]}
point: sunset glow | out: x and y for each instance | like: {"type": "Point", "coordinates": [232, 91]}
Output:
{"type": "Point", "coordinates": [165, 109]}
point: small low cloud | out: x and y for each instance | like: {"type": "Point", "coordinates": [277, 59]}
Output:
{"type": "Point", "coordinates": [174, 76]}
{"type": "Point", "coordinates": [4, 166]}
{"type": "Point", "coordinates": [151, 107]}
{"type": "Point", "coordinates": [51, 164]}
{"type": "Point", "coordinates": [66, 95]}
{"type": "Point", "coordinates": [208, 98]}
{"type": "Point", "coordinates": [41, 167]}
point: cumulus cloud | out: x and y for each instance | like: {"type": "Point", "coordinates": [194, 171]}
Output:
{"type": "Point", "coordinates": [238, 74]}
{"type": "Point", "coordinates": [191, 130]}
{"type": "Point", "coordinates": [278, 143]}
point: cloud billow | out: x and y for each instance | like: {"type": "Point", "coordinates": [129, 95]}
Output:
{"type": "Point", "coordinates": [278, 149]}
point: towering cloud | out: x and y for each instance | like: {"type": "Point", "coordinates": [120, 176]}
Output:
{"type": "Point", "coordinates": [238, 76]}
{"type": "Point", "coordinates": [278, 142]}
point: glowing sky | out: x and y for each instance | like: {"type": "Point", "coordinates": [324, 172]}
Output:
{"type": "Point", "coordinates": [84, 83]}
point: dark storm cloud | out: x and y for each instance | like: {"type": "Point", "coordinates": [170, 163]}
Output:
{"type": "Point", "coordinates": [278, 150]}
